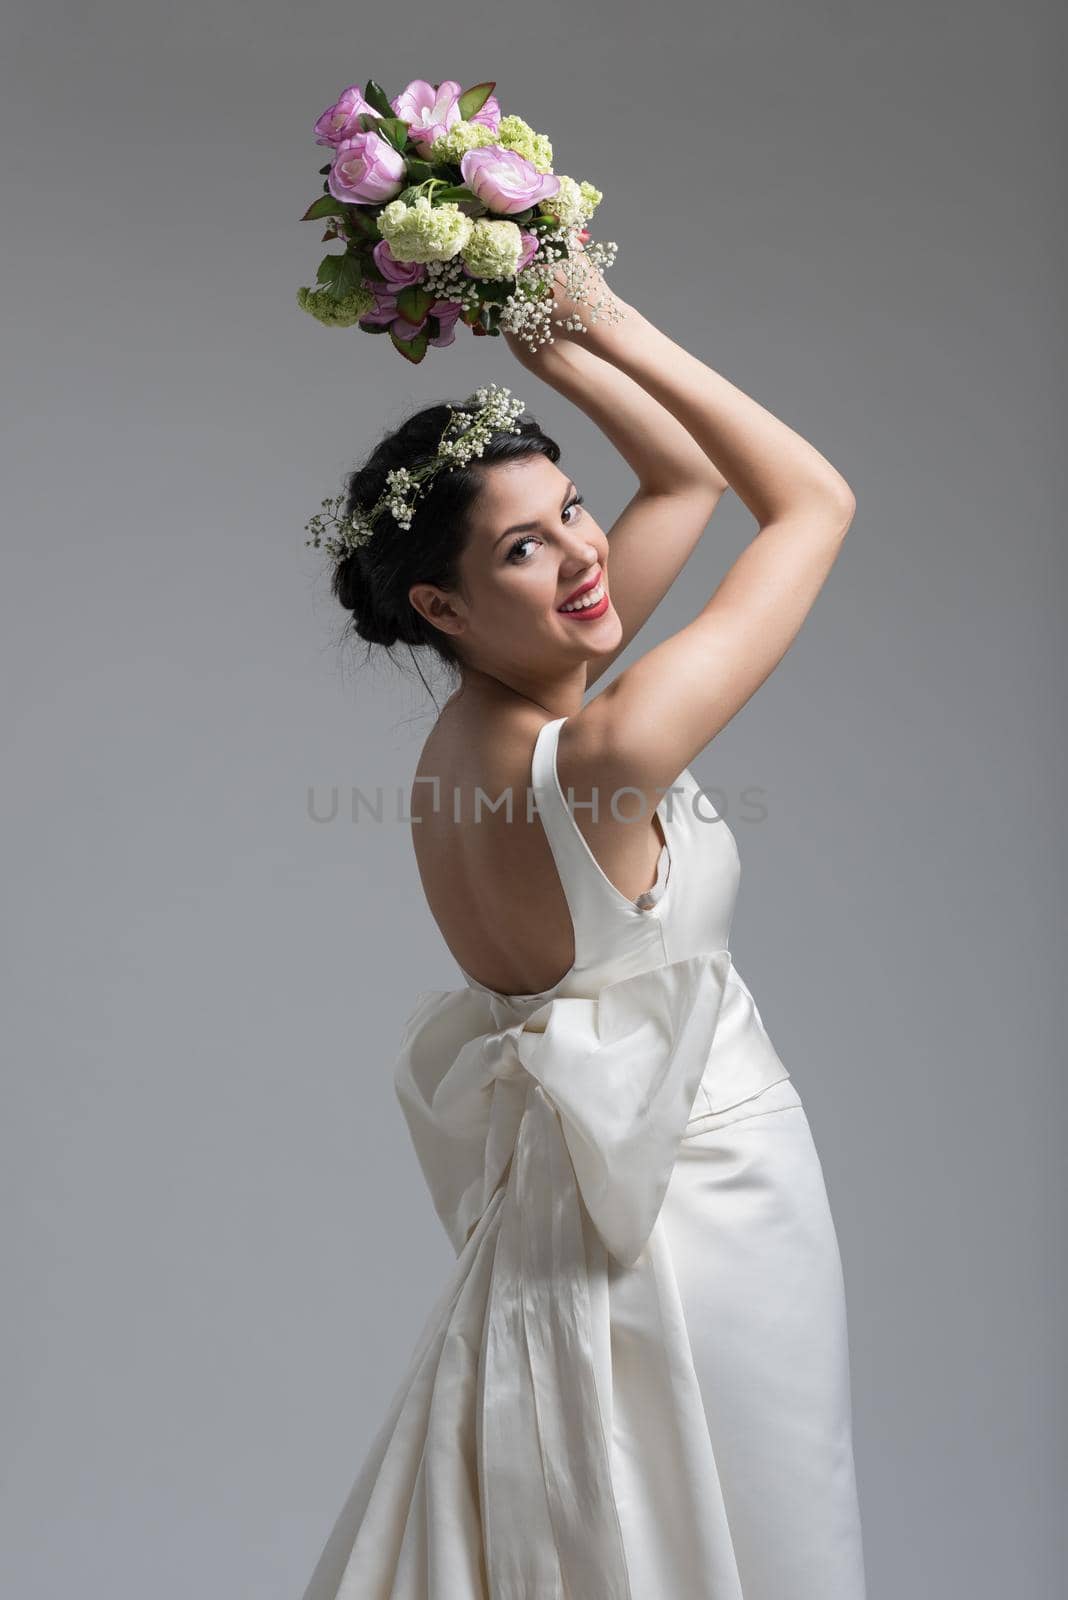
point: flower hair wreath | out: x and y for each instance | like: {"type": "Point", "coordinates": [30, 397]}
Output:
{"type": "Point", "coordinates": [498, 412]}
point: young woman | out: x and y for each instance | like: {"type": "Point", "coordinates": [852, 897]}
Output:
{"type": "Point", "coordinates": [635, 1385]}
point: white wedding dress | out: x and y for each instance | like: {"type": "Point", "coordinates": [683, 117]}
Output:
{"type": "Point", "coordinates": [635, 1383]}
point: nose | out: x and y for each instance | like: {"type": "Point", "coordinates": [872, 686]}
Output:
{"type": "Point", "coordinates": [585, 552]}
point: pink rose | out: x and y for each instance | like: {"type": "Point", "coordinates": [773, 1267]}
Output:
{"type": "Point", "coordinates": [366, 170]}
{"type": "Point", "coordinates": [446, 312]}
{"type": "Point", "coordinates": [397, 273]}
{"type": "Point", "coordinates": [429, 110]}
{"type": "Point", "coordinates": [339, 121]}
{"type": "Point", "coordinates": [504, 180]}
{"type": "Point", "coordinates": [384, 311]}
{"type": "Point", "coordinates": [489, 115]}
{"type": "Point", "coordinates": [405, 329]}
{"type": "Point", "coordinates": [385, 314]}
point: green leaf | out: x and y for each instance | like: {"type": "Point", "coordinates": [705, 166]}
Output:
{"type": "Point", "coordinates": [325, 206]}
{"type": "Point", "coordinates": [376, 96]}
{"type": "Point", "coordinates": [413, 302]}
{"type": "Point", "coordinates": [473, 100]}
{"type": "Point", "coordinates": [324, 170]}
{"type": "Point", "coordinates": [455, 191]}
{"type": "Point", "coordinates": [395, 131]}
{"type": "Point", "coordinates": [341, 274]}
{"type": "Point", "coordinates": [496, 291]}
{"type": "Point", "coordinates": [419, 171]}
{"type": "Point", "coordinates": [414, 349]}
{"type": "Point", "coordinates": [373, 327]}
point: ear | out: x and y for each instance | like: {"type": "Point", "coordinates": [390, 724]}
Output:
{"type": "Point", "coordinates": [441, 609]}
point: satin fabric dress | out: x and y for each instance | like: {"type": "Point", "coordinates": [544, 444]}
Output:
{"type": "Point", "coordinates": [635, 1382]}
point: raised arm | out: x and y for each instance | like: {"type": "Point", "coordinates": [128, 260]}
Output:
{"type": "Point", "coordinates": [661, 712]}
{"type": "Point", "coordinates": [678, 486]}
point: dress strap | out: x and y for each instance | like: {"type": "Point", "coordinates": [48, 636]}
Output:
{"type": "Point", "coordinates": [591, 897]}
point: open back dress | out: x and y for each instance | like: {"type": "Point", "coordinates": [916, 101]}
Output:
{"type": "Point", "coordinates": [635, 1383]}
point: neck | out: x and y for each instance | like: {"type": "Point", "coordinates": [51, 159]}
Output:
{"type": "Point", "coordinates": [561, 696]}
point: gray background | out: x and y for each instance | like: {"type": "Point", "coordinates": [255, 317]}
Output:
{"type": "Point", "coordinates": [217, 1248]}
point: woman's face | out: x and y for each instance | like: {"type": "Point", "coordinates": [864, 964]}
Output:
{"type": "Point", "coordinates": [532, 545]}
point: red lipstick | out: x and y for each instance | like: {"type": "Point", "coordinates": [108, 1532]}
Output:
{"type": "Point", "coordinates": [587, 613]}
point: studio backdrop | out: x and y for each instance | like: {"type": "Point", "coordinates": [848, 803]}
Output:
{"type": "Point", "coordinates": [217, 1249]}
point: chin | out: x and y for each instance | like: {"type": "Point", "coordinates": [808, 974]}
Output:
{"type": "Point", "coordinates": [602, 637]}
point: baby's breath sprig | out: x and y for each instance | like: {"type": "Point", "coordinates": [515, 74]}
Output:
{"type": "Point", "coordinates": [528, 312]}
{"type": "Point", "coordinates": [498, 412]}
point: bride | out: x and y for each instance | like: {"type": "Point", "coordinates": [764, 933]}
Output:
{"type": "Point", "coordinates": [636, 1381]}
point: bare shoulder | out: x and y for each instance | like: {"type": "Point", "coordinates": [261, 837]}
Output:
{"type": "Point", "coordinates": [466, 752]}
{"type": "Point", "coordinates": [606, 747]}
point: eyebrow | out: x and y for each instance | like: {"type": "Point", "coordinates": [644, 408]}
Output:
{"type": "Point", "coordinates": [528, 527]}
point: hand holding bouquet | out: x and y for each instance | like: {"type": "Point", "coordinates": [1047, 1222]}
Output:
{"type": "Point", "coordinates": [449, 212]}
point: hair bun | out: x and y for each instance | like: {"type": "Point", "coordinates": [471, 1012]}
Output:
{"type": "Point", "coordinates": [355, 591]}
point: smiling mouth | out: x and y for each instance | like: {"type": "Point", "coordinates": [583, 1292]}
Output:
{"type": "Point", "coordinates": [588, 601]}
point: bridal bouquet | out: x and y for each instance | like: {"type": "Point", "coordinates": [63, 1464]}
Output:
{"type": "Point", "coordinates": [448, 211]}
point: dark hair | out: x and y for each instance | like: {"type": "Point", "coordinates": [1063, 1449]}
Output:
{"type": "Point", "coordinates": [373, 581]}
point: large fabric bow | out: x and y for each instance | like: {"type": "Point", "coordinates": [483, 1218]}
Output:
{"type": "Point", "coordinates": [586, 1101]}
{"type": "Point", "coordinates": [520, 1459]}
{"type": "Point", "coordinates": [619, 1069]}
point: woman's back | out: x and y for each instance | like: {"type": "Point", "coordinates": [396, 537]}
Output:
{"type": "Point", "coordinates": [490, 878]}
{"type": "Point", "coordinates": [610, 934]}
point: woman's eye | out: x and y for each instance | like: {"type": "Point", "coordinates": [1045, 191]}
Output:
{"type": "Point", "coordinates": [530, 538]}
{"type": "Point", "coordinates": [526, 538]}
